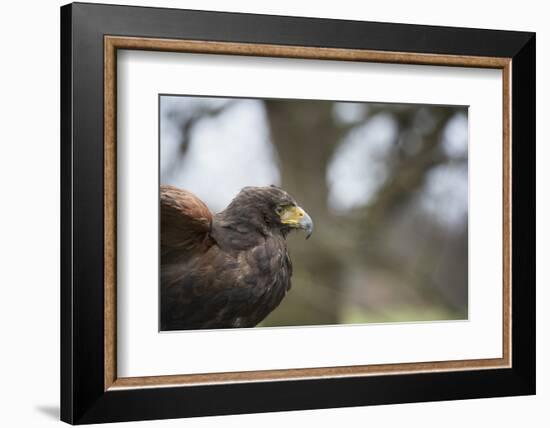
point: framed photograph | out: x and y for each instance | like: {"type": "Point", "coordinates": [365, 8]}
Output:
{"type": "Point", "coordinates": [266, 213]}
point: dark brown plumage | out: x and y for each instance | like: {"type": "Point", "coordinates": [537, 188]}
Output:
{"type": "Point", "coordinates": [225, 270]}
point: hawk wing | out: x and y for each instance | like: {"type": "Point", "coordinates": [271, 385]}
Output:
{"type": "Point", "coordinates": [185, 223]}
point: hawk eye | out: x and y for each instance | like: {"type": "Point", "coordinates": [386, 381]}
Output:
{"type": "Point", "coordinates": [279, 210]}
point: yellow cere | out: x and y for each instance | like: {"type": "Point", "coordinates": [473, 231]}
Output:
{"type": "Point", "coordinates": [292, 215]}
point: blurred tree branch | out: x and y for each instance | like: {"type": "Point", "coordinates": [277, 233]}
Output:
{"type": "Point", "coordinates": [187, 120]}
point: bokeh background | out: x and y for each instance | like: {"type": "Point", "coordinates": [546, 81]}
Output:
{"type": "Point", "coordinates": [386, 185]}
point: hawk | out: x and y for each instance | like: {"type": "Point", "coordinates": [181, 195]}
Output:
{"type": "Point", "coordinates": [225, 270]}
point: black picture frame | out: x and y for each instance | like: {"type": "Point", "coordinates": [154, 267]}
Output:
{"type": "Point", "coordinates": [83, 396]}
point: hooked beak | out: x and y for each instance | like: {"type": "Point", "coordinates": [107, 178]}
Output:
{"type": "Point", "coordinates": [296, 217]}
{"type": "Point", "coordinates": [306, 223]}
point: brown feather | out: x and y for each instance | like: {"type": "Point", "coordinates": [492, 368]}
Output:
{"type": "Point", "coordinates": [185, 223]}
